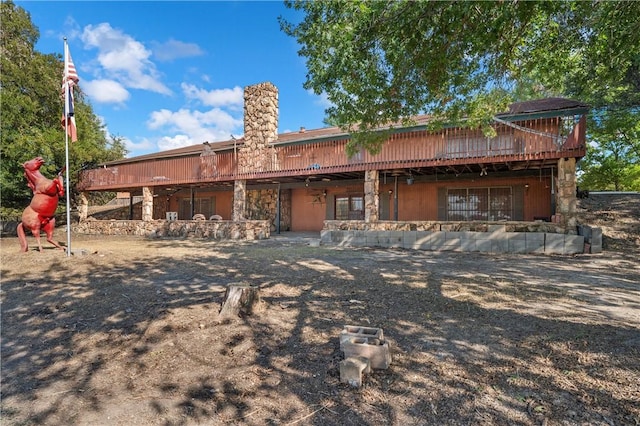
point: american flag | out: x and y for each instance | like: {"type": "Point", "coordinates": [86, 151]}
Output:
{"type": "Point", "coordinates": [69, 80]}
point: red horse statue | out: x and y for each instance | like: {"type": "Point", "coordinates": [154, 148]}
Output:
{"type": "Point", "coordinates": [39, 215]}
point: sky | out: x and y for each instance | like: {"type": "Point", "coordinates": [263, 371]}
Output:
{"type": "Point", "coordinates": [167, 74]}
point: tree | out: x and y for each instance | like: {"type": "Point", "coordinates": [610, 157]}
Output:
{"type": "Point", "coordinates": [31, 112]}
{"type": "Point", "coordinates": [612, 161]}
{"type": "Point", "coordinates": [385, 61]}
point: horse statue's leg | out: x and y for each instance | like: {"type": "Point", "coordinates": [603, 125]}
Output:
{"type": "Point", "coordinates": [48, 229]}
{"type": "Point", "coordinates": [22, 237]}
{"type": "Point", "coordinates": [35, 231]}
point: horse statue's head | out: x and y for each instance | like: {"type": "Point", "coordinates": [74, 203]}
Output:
{"type": "Point", "coordinates": [33, 165]}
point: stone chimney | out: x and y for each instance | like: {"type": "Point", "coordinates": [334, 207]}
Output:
{"type": "Point", "coordinates": [260, 128]}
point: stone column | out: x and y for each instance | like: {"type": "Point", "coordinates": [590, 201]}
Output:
{"type": "Point", "coordinates": [83, 207]}
{"type": "Point", "coordinates": [566, 201]}
{"type": "Point", "coordinates": [371, 197]}
{"type": "Point", "coordinates": [239, 200]}
{"type": "Point", "coordinates": [147, 204]}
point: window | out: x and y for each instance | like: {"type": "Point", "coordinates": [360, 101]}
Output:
{"type": "Point", "coordinates": [489, 204]}
{"type": "Point", "coordinates": [350, 207]}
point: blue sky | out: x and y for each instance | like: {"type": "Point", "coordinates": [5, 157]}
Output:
{"type": "Point", "coordinates": [167, 74]}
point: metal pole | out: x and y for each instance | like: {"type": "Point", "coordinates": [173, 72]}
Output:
{"type": "Point", "coordinates": [66, 147]}
{"type": "Point", "coordinates": [278, 210]}
{"type": "Point", "coordinates": [395, 199]}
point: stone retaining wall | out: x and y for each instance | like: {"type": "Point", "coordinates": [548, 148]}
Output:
{"type": "Point", "coordinates": [210, 229]}
{"type": "Point", "coordinates": [511, 237]}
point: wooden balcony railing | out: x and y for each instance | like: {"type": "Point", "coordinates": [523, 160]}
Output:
{"type": "Point", "coordinates": [533, 139]}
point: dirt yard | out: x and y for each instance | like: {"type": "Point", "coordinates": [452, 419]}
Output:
{"type": "Point", "coordinates": [129, 333]}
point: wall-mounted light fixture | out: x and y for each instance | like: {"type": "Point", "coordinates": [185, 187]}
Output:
{"type": "Point", "coordinates": [410, 179]}
{"type": "Point", "coordinates": [390, 191]}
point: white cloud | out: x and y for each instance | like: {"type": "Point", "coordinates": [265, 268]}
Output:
{"type": "Point", "coordinates": [123, 59]}
{"type": "Point", "coordinates": [105, 91]}
{"type": "Point", "coordinates": [144, 145]}
{"type": "Point", "coordinates": [322, 100]}
{"type": "Point", "coordinates": [174, 49]}
{"type": "Point", "coordinates": [215, 98]}
{"type": "Point", "coordinates": [193, 127]}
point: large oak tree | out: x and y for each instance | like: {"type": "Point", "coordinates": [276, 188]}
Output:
{"type": "Point", "coordinates": [381, 62]}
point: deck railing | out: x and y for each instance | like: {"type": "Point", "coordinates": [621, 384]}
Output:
{"type": "Point", "coordinates": [532, 139]}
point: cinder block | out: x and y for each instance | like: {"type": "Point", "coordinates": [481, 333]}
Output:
{"type": "Point", "coordinates": [409, 239]}
{"type": "Point", "coordinates": [325, 236]}
{"type": "Point", "coordinates": [352, 368]}
{"type": "Point", "coordinates": [376, 351]}
{"type": "Point", "coordinates": [358, 331]}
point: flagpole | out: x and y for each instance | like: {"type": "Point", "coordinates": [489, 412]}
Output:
{"type": "Point", "coordinates": [66, 146]}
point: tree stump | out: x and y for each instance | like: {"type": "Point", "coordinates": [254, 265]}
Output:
{"type": "Point", "coordinates": [240, 299]}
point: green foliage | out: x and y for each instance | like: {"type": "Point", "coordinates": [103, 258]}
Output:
{"type": "Point", "coordinates": [381, 62]}
{"type": "Point", "coordinates": [31, 112]}
{"type": "Point", "coordinates": [613, 157]}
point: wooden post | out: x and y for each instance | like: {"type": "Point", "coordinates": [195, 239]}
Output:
{"type": "Point", "coordinates": [240, 299]}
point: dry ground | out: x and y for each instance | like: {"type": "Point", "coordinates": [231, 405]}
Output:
{"type": "Point", "coordinates": [128, 334]}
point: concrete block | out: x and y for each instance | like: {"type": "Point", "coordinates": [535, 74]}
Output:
{"type": "Point", "coordinates": [352, 368]}
{"type": "Point", "coordinates": [372, 238]}
{"type": "Point", "coordinates": [325, 236]}
{"type": "Point", "coordinates": [585, 231]}
{"type": "Point", "coordinates": [355, 241]}
{"type": "Point", "coordinates": [596, 240]}
{"type": "Point", "coordinates": [468, 241]}
{"type": "Point", "coordinates": [517, 242]}
{"type": "Point", "coordinates": [424, 240]}
{"type": "Point", "coordinates": [350, 331]}
{"type": "Point", "coordinates": [376, 351]}
{"type": "Point", "coordinates": [573, 244]}
{"type": "Point", "coordinates": [437, 240]}
{"type": "Point", "coordinates": [499, 242]}
{"type": "Point", "coordinates": [396, 239]}
{"type": "Point", "coordinates": [496, 229]}
{"type": "Point", "coordinates": [483, 245]}
{"type": "Point", "coordinates": [337, 237]}
{"type": "Point", "coordinates": [409, 239]}
{"type": "Point", "coordinates": [535, 242]}
{"type": "Point", "coordinates": [554, 243]}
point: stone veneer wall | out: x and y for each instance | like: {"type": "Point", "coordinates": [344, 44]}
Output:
{"type": "Point", "coordinates": [263, 205]}
{"type": "Point", "coordinates": [210, 229]}
{"type": "Point", "coordinates": [566, 201]}
{"type": "Point", "coordinates": [260, 129]}
{"type": "Point", "coordinates": [507, 237]}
